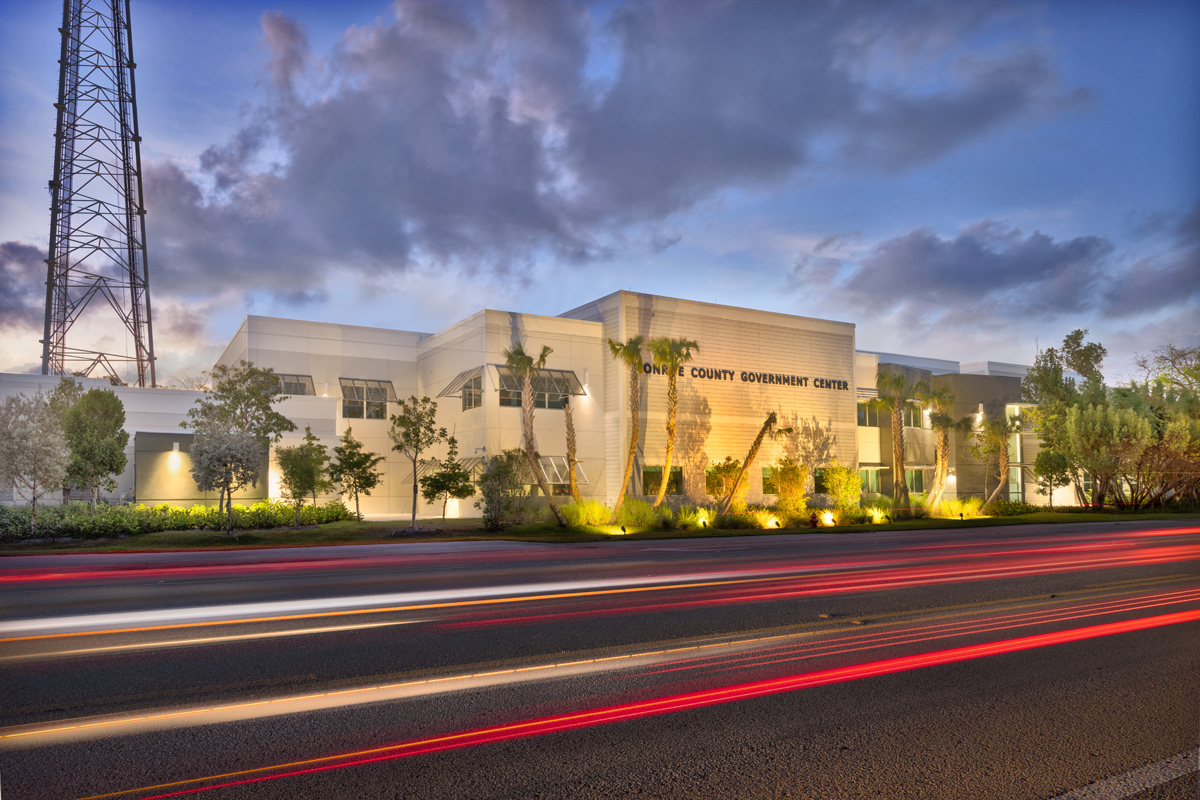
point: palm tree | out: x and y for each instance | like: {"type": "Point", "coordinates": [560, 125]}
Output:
{"type": "Point", "coordinates": [894, 392]}
{"type": "Point", "coordinates": [523, 365]}
{"type": "Point", "coordinates": [995, 434]}
{"type": "Point", "coordinates": [670, 355]}
{"type": "Point", "coordinates": [768, 428]}
{"type": "Point", "coordinates": [630, 354]}
{"type": "Point", "coordinates": [569, 422]}
{"type": "Point", "coordinates": [941, 403]}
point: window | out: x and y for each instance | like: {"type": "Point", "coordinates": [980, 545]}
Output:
{"type": "Point", "coordinates": [770, 485]}
{"type": "Point", "coordinates": [868, 415]}
{"type": "Point", "coordinates": [366, 399]}
{"type": "Point", "coordinates": [869, 478]}
{"type": "Point", "coordinates": [296, 384]}
{"type": "Point", "coordinates": [914, 417]}
{"type": "Point", "coordinates": [915, 480]}
{"type": "Point", "coordinates": [652, 477]}
{"type": "Point", "coordinates": [1014, 483]}
{"type": "Point", "coordinates": [820, 486]}
{"type": "Point", "coordinates": [551, 388]}
{"type": "Point", "coordinates": [472, 393]}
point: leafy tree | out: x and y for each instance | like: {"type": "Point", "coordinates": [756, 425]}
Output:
{"type": "Point", "coordinates": [61, 398]}
{"type": "Point", "coordinates": [1104, 441]}
{"type": "Point", "coordinates": [504, 496]}
{"type": "Point", "coordinates": [241, 402]}
{"type": "Point", "coordinates": [790, 480]}
{"type": "Point", "coordinates": [451, 480]}
{"type": "Point", "coordinates": [1051, 469]}
{"type": "Point", "coordinates": [226, 460]}
{"type": "Point", "coordinates": [33, 449]}
{"type": "Point", "coordinates": [1049, 386]}
{"type": "Point", "coordinates": [670, 355]}
{"type": "Point", "coordinates": [354, 469]}
{"type": "Point", "coordinates": [630, 354]}
{"type": "Point", "coordinates": [524, 366]}
{"type": "Point", "coordinates": [941, 404]}
{"type": "Point", "coordinates": [302, 471]}
{"type": "Point", "coordinates": [95, 430]}
{"type": "Point", "coordinates": [895, 392]}
{"type": "Point", "coordinates": [414, 430]}
{"type": "Point", "coordinates": [843, 485]}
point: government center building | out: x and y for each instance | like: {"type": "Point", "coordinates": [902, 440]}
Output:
{"type": "Point", "coordinates": [748, 364]}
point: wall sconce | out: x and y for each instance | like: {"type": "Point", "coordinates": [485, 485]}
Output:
{"type": "Point", "coordinates": [586, 381]}
{"type": "Point", "coordinates": [175, 447]}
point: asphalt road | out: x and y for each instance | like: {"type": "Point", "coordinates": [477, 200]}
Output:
{"type": "Point", "coordinates": [1025, 662]}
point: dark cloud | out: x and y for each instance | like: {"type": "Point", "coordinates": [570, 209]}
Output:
{"type": "Point", "coordinates": [22, 286]}
{"type": "Point", "coordinates": [478, 136]}
{"type": "Point", "coordinates": [1169, 278]}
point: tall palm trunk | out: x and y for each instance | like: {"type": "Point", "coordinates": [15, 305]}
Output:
{"type": "Point", "coordinates": [569, 421]}
{"type": "Point", "coordinates": [1003, 475]}
{"type": "Point", "coordinates": [635, 413]}
{"type": "Point", "coordinates": [672, 412]}
{"type": "Point", "coordinates": [750, 456]}
{"type": "Point", "coordinates": [899, 484]}
{"type": "Point", "coordinates": [941, 471]}
{"type": "Point", "coordinates": [530, 449]}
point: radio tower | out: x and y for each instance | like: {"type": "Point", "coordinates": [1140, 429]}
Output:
{"type": "Point", "coordinates": [97, 219]}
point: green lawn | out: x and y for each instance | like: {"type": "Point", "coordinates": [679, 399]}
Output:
{"type": "Point", "coordinates": [373, 532]}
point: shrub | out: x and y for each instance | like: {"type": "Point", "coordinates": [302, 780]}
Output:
{"type": "Point", "coordinates": [503, 486]}
{"type": "Point", "coordinates": [637, 513]}
{"type": "Point", "coordinates": [963, 508]}
{"type": "Point", "coordinates": [694, 518]}
{"type": "Point", "coordinates": [1011, 508]}
{"type": "Point", "coordinates": [843, 485]}
{"type": "Point", "coordinates": [790, 479]}
{"type": "Point", "coordinates": [719, 482]}
{"type": "Point", "coordinates": [589, 512]}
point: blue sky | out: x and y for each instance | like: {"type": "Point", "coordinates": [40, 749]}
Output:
{"type": "Point", "coordinates": [963, 181]}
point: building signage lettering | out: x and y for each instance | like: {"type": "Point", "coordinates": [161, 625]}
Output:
{"type": "Point", "coordinates": [745, 376]}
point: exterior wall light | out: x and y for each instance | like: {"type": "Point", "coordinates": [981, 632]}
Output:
{"type": "Point", "coordinates": [175, 447]}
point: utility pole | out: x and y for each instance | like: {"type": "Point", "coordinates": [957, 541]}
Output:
{"type": "Point", "coordinates": [97, 215]}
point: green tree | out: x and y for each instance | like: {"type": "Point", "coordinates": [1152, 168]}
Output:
{"type": "Point", "coordinates": [302, 472]}
{"type": "Point", "coordinates": [1052, 470]}
{"type": "Point", "coordinates": [61, 398]}
{"type": "Point", "coordinates": [895, 392]}
{"type": "Point", "coordinates": [941, 419]}
{"type": "Point", "coordinates": [630, 354]}
{"type": "Point", "coordinates": [524, 366]}
{"type": "Point", "coordinates": [241, 401]}
{"type": "Point", "coordinates": [843, 485]}
{"type": "Point", "coordinates": [451, 480]}
{"type": "Point", "coordinates": [414, 430]}
{"type": "Point", "coordinates": [503, 488]}
{"type": "Point", "coordinates": [94, 426]}
{"type": "Point", "coordinates": [354, 469]}
{"type": "Point", "coordinates": [670, 355]}
{"type": "Point", "coordinates": [1177, 367]}
{"type": "Point", "coordinates": [33, 449]}
{"type": "Point", "coordinates": [1104, 441]}
{"type": "Point", "coordinates": [226, 460]}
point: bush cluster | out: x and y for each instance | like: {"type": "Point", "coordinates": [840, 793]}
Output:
{"type": "Point", "coordinates": [1012, 508]}
{"type": "Point", "coordinates": [79, 521]}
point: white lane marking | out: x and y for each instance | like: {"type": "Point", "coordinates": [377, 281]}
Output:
{"type": "Point", "coordinates": [1138, 780]}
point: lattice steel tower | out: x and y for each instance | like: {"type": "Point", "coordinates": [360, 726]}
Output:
{"type": "Point", "coordinates": [97, 219]}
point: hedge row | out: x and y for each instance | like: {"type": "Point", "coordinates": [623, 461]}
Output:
{"type": "Point", "coordinates": [79, 521]}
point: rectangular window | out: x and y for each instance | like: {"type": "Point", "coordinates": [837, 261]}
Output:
{"type": "Point", "coordinates": [651, 477]}
{"type": "Point", "coordinates": [1014, 483]}
{"type": "Point", "coordinates": [550, 388]}
{"type": "Point", "coordinates": [868, 416]}
{"type": "Point", "coordinates": [869, 478]}
{"type": "Point", "coordinates": [366, 399]}
{"type": "Point", "coordinates": [472, 393]}
{"type": "Point", "coordinates": [914, 417]}
{"type": "Point", "coordinates": [296, 384]}
{"type": "Point", "coordinates": [820, 485]}
{"type": "Point", "coordinates": [915, 480]}
{"type": "Point", "coordinates": [770, 485]}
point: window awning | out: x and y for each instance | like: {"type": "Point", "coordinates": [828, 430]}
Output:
{"type": "Point", "coordinates": [548, 381]}
{"type": "Point", "coordinates": [359, 389]}
{"type": "Point", "coordinates": [556, 470]}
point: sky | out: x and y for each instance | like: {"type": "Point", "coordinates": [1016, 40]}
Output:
{"type": "Point", "coordinates": [968, 181]}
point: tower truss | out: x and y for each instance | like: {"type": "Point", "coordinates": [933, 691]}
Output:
{"type": "Point", "coordinates": [97, 261]}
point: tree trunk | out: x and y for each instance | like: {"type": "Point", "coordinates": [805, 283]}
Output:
{"type": "Point", "coordinates": [899, 484]}
{"type": "Point", "coordinates": [635, 404]}
{"type": "Point", "coordinates": [357, 513]}
{"type": "Point", "coordinates": [941, 469]}
{"type": "Point", "coordinates": [530, 448]}
{"type": "Point", "coordinates": [569, 421]}
{"type": "Point", "coordinates": [672, 412]}
{"type": "Point", "coordinates": [414, 506]}
{"type": "Point", "coordinates": [1002, 468]}
{"type": "Point", "coordinates": [33, 516]}
{"type": "Point", "coordinates": [750, 456]}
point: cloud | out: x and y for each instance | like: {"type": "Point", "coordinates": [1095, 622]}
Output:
{"type": "Point", "coordinates": [1167, 279]}
{"type": "Point", "coordinates": [480, 137]}
{"type": "Point", "coordinates": [22, 286]}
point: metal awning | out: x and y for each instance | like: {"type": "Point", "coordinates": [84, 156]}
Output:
{"type": "Point", "coordinates": [454, 388]}
{"type": "Point", "coordinates": [556, 470]}
{"type": "Point", "coordinates": [548, 381]}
